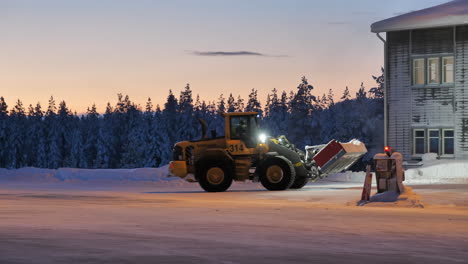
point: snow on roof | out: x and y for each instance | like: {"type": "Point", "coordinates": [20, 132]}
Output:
{"type": "Point", "coordinates": [448, 14]}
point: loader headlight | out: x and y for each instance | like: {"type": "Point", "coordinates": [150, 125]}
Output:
{"type": "Point", "coordinates": [262, 138]}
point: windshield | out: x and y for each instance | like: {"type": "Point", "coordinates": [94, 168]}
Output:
{"type": "Point", "coordinates": [243, 127]}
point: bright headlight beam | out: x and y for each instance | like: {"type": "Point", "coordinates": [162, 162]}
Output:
{"type": "Point", "coordinates": [262, 138]}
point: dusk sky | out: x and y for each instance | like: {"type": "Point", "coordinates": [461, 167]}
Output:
{"type": "Point", "coordinates": [86, 52]}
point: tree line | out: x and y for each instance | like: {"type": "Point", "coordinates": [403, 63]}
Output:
{"type": "Point", "coordinates": [128, 135]}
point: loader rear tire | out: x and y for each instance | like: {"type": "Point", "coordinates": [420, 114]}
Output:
{"type": "Point", "coordinates": [299, 183]}
{"type": "Point", "coordinates": [277, 174]}
{"type": "Point", "coordinates": [216, 177]}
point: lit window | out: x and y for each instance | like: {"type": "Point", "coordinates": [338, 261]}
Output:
{"type": "Point", "coordinates": [433, 71]}
{"type": "Point", "coordinates": [418, 71]}
{"type": "Point", "coordinates": [447, 69]}
{"type": "Point", "coordinates": [448, 141]}
{"type": "Point", "coordinates": [419, 141]}
{"type": "Point", "coordinates": [434, 141]}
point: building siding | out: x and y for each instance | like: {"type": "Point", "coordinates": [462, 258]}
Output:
{"type": "Point", "coordinates": [432, 41]}
{"type": "Point", "coordinates": [461, 93]}
{"type": "Point", "coordinates": [426, 107]}
{"type": "Point", "coordinates": [432, 107]}
{"type": "Point", "coordinates": [399, 91]}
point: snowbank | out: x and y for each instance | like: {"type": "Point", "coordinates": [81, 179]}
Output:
{"type": "Point", "coordinates": [347, 176]}
{"type": "Point", "coordinates": [438, 171]}
{"type": "Point", "coordinates": [72, 174]}
{"type": "Point", "coordinates": [432, 171]}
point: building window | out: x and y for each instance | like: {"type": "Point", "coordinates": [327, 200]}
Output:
{"type": "Point", "coordinates": [433, 71]}
{"type": "Point", "coordinates": [447, 69]}
{"type": "Point", "coordinates": [418, 71]}
{"type": "Point", "coordinates": [434, 142]}
{"type": "Point", "coordinates": [439, 141]}
{"type": "Point", "coordinates": [419, 141]}
{"type": "Point", "coordinates": [448, 142]}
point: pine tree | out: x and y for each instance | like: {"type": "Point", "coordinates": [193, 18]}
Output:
{"type": "Point", "coordinates": [4, 123]}
{"type": "Point", "coordinates": [253, 105]}
{"type": "Point", "coordinates": [346, 94]}
{"type": "Point", "coordinates": [231, 104]}
{"type": "Point", "coordinates": [239, 104]}
{"type": "Point", "coordinates": [221, 104]}
{"type": "Point", "coordinates": [302, 106]}
{"type": "Point", "coordinates": [169, 116]}
{"type": "Point", "coordinates": [53, 153]}
{"type": "Point", "coordinates": [91, 132]}
{"type": "Point", "coordinates": [330, 96]}
{"type": "Point", "coordinates": [378, 92]}
{"type": "Point", "coordinates": [16, 157]}
{"type": "Point", "coordinates": [361, 94]}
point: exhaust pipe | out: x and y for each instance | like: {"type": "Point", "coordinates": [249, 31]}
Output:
{"type": "Point", "coordinates": [203, 126]}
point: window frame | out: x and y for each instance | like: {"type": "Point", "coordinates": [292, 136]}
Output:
{"type": "Point", "coordinates": [443, 137]}
{"type": "Point", "coordinates": [442, 81]}
{"type": "Point", "coordinates": [414, 71]}
{"type": "Point", "coordinates": [428, 150]}
{"type": "Point", "coordinates": [424, 140]}
{"type": "Point", "coordinates": [437, 71]}
{"type": "Point", "coordinates": [441, 72]}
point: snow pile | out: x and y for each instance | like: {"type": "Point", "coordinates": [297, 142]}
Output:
{"type": "Point", "coordinates": [429, 157]}
{"type": "Point", "coordinates": [392, 199]}
{"type": "Point", "coordinates": [73, 174]}
{"type": "Point", "coordinates": [438, 171]}
{"type": "Point", "coordinates": [347, 176]}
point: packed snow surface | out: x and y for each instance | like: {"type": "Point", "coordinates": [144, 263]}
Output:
{"type": "Point", "coordinates": [142, 216]}
{"type": "Point", "coordinates": [448, 14]}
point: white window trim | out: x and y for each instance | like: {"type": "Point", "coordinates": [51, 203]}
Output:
{"type": "Point", "coordinates": [443, 69]}
{"type": "Point", "coordinates": [428, 74]}
{"type": "Point", "coordinates": [441, 73]}
{"type": "Point", "coordinates": [414, 71]}
{"type": "Point", "coordinates": [443, 142]}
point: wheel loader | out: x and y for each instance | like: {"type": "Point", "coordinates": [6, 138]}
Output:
{"type": "Point", "coordinates": [245, 153]}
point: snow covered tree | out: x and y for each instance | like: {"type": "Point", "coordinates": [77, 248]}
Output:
{"type": "Point", "coordinates": [231, 104]}
{"type": "Point", "coordinates": [253, 105]}
{"type": "Point", "coordinates": [239, 104]}
{"type": "Point", "coordinates": [301, 107]}
{"type": "Point", "coordinates": [16, 139]}
{"type": "Point", "coordinates": [4, 123]}
{"type": "Point", "coordinates": [221, 104]}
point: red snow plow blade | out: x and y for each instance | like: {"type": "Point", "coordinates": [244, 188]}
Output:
{"type": "Point", "coordinates": [336, 156]}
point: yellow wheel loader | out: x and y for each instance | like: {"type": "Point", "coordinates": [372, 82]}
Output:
{"type": "Point", "coordinates": [244, 153]}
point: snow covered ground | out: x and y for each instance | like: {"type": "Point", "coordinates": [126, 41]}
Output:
{"type": "Point", "coordinates": [140, 216]}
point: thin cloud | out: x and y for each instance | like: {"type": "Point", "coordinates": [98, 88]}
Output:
{"type": "Point", "coordinates": [339, 23]}
{"type": "Point", "coordinates": [232, 53]}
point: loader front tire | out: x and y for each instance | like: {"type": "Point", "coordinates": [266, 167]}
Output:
{"type": "Point", "coordinates": [277, 174]}
{"type": "Point", "coordinates": [215, 177]}
{"type": "Point", "coordinates": [299, 183]}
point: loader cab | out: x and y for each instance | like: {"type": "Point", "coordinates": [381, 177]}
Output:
{"type": "Point", "coordinates": [242, 126]}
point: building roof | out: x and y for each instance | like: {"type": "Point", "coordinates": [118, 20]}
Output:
{"type": "Point", "coordinates": [448, 14]}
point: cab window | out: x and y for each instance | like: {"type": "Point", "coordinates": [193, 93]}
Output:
{"type": "Point", "coordinates": [243, 127]}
